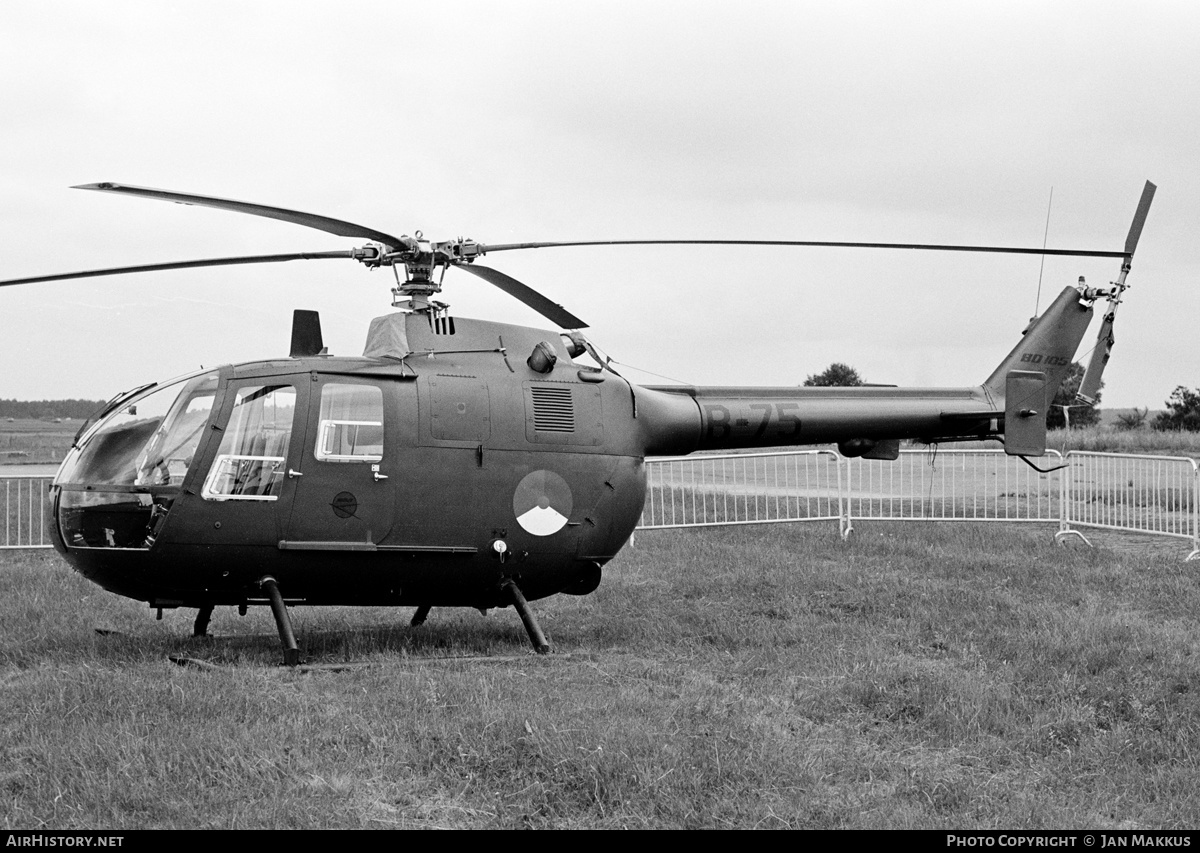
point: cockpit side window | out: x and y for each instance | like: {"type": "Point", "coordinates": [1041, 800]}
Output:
{"type": "Point", "coordinates": [168, 455]}
{"type": "Point", "coordinates": [252, 458]}
{"type": "Point", "coordinates": [351, 424]}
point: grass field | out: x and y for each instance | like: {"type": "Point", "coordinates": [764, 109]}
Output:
{"type": "Point", "coordinates": [931, 675]}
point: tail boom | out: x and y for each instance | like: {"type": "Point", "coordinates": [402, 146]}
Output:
{"type": "Point", "coordinates": [871, 421]}
{"type": "Point", "coordinates": [867, 422]}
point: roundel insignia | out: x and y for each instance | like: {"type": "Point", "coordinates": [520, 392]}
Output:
{"type": "Point", "coordinates": [542, 503]}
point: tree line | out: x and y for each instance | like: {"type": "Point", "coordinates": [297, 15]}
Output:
{"type": "Point", "coordinates": [42, 409]}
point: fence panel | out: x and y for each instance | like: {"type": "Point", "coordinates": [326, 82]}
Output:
{"type": "Point", "coordinates": [742, 488]}
{"type": "Point", "coordinates": [25, 506]}
{"type": "Point", "coordinates": [1159, 495]}
{"type": "Point", "coordinates": [953, 485]}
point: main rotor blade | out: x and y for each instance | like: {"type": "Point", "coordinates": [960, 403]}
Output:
{"type": "Point", "coordinates": [551, 310]}
{"type": "Point", "coordinates": [183, 265]}
{"type": "Point", "coordinates": [1139, 218]}
{"type": "Point", "coordinates": [1012, 250]}
{"type": "Point", "coordinates": [311, 220]}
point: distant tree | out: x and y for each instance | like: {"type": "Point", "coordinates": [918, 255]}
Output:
{"type": "Point", "coordinates": [1080, 415]}
{"type": "Point", "coordinates": [837, 374]}
{"type": "Point", "coordinates": [1132, 420]}
{"type": "Point", "coordinates": [1183, 411]}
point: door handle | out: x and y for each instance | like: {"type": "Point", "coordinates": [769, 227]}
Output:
{"type": "Point", "coordinates": [293, 474]}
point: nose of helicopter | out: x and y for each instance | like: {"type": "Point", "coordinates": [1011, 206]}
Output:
{"type": "Point", "coordinates": [118, 482]}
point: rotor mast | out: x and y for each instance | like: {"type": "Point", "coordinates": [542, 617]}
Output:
{"type": "Point", "coordinates": [425, 264]}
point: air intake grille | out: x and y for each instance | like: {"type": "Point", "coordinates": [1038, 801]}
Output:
{"type": "Point", "coordinates": [553, 409]}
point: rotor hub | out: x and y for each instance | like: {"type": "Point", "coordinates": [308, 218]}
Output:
{"type": "Point", "coordinates": [425, 264]}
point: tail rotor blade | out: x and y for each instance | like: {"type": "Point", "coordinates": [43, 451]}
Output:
{"type": "Point", "coordinates": [1139, 218]}
{"type": "Point", "coordinates": [1089, 387]}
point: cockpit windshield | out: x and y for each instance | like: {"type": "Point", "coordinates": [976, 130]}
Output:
{"type": "Point", "coordinates": [149, 441]}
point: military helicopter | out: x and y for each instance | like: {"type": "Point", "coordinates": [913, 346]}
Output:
{"type": "Point", "coordinates": [459, 462]}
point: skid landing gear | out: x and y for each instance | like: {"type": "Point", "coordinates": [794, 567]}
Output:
{"type": "Point", "coordinates": [291, 651]}
{"type": "Point", "coordinates": [200, 626]}
{"type": "Point", "coordinates": [527, 618]}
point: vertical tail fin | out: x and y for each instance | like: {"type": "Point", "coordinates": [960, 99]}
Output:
{"type": "Point", "coordinates": [1030, 375]}
{"type": "Point", "coordinates": [1049, 343]}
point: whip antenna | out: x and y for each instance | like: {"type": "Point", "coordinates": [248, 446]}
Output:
{"type": "Point", "coordinates": [1045, 238]}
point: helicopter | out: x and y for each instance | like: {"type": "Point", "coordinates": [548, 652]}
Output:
{"type": "Point", "coordinates": [461, 462]}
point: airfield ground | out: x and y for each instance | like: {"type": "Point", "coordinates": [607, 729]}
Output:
{"type": "Point", "coordinates": [26, 442]}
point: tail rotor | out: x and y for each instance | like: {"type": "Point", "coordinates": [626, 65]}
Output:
{"type": "Point", "coordinates": [1089, 387]}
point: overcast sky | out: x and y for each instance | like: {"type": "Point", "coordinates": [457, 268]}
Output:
{"type": "Point", "coordinates": [513, 121]}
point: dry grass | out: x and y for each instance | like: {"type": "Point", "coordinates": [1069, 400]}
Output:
{"type": "Point", "coordinates": [916, 676]}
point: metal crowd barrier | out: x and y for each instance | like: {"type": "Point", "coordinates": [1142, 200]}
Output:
{"type": "Point", "coordinates": [25, 506]}
{"type": "Point", "coordinates": [742, 488]}
{"type": "Point", "coordinates": [1156, 495]}
{"type": "Point", "coordinates": [956, 485]}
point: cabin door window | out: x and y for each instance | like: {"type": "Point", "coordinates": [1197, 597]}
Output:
{"type": "Point", "coordinates": [252, 459]}
{"type": "Point", "coordinates": [350, 427]}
